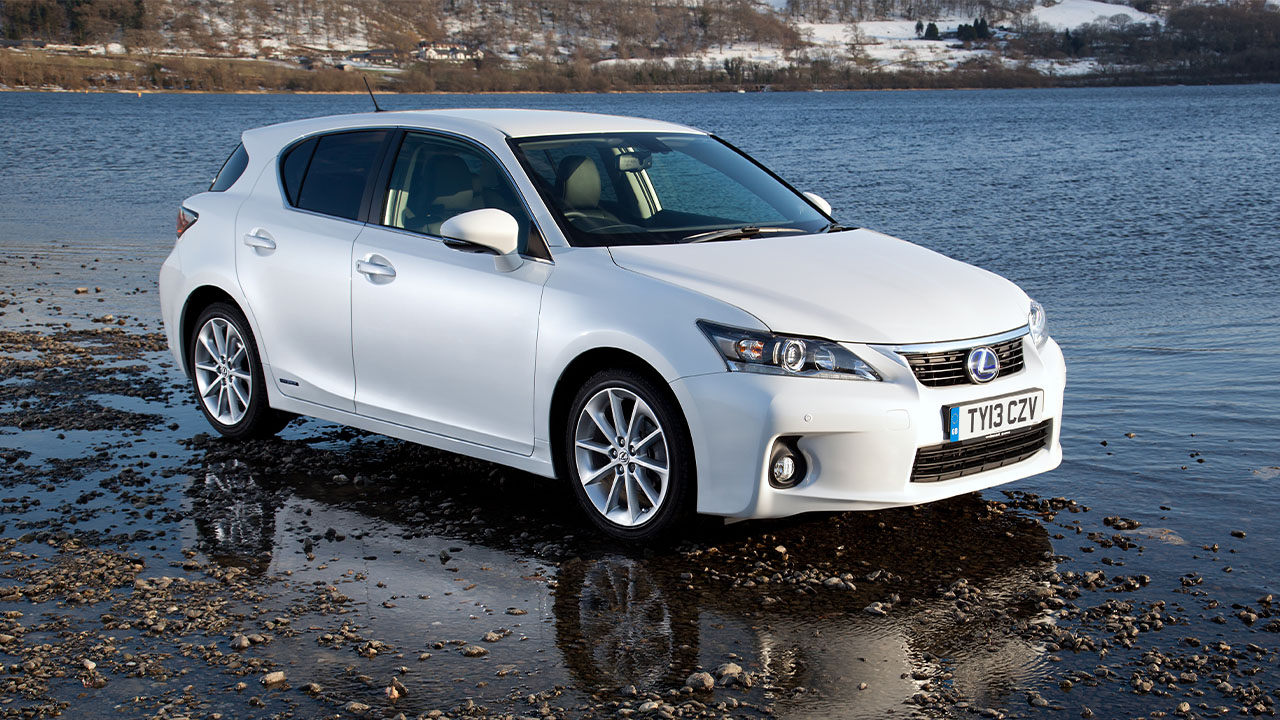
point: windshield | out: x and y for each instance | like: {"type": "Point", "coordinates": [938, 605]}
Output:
{"type": "Point", "coordinates": [658, 189]}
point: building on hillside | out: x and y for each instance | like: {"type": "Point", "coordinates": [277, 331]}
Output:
{"type": "Point", "coordinates": [447, 52]}
{"type": "Point", "coordinates": [375, 56]}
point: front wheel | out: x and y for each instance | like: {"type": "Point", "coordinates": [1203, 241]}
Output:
{"type": "Point", "coordinates": [629, 457]}
{"type": "Point", "coordinates": [227, 376]}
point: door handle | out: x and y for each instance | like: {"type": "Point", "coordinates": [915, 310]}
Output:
{"type": "Point", "coordinates": [375, 269]}
{"type": "Point", "coordinates": [260, 242]}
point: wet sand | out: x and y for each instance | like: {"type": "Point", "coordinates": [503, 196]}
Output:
{"type": "Point", "coordinates": [148, 569]}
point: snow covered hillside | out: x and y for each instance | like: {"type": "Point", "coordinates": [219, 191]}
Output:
{"type": "Point", "coordinates": [1071, 14]}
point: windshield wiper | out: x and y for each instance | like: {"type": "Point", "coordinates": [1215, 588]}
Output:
{"type": "Point", "coordinates": [739, 232]}
{"type": "Point", "coordinates": [836, 227]}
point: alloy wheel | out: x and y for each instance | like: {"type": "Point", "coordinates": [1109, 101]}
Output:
{"type": "Point", "coordinates": [620, 449]}
{"type": "Point", "coordinates": [224, 378]}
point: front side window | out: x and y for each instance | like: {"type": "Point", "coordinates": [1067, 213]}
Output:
{"type": "Point", "coordinates": [435, 178]}
{"type": "Point", "coordinates": [328, 174]}
{"type": "Point", "coordinates": [656, 189]}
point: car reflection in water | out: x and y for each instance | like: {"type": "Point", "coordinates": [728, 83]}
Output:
{"type": "Point", "coordinates": [453, 558]}
{"type": "Point", "coordinates": [612, 632]}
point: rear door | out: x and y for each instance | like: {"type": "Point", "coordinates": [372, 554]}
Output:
{"type": "Point", "coordinates": [294, 239]}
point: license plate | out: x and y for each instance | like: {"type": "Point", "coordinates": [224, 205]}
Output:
{"type": "Point", "coordinates": [994, 416]}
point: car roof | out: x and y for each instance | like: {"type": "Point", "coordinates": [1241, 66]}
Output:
{"type": "Point", "coordinates": [486, 124]}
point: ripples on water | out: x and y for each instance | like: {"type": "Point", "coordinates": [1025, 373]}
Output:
{"type": "Point", "coordinates": [1144, 219]}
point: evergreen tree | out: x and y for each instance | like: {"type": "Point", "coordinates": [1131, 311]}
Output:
{"type": "Point", "coordinates": [931, 32]}
{"type": "Point", "coordinates": [919, 28]}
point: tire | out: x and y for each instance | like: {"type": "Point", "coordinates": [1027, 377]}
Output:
{"type": "Point", "coordinates": [620, 486]}
{"type": "Point", "coordinates": [226, 376]}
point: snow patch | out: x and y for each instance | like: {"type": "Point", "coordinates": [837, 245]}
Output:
{"type": "Point", "coordinates": [1071, 14]}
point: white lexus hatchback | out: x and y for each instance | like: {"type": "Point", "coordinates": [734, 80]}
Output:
{"type": "Point", "coordinates": [634, 306]}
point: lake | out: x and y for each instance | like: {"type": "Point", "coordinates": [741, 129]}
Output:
{"type": "Point", "coordinates": [1146, 220]}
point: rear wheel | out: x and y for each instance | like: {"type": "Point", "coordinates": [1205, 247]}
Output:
{"type": "Point", "coordinates": [629, 457]}
{"type": "Point", "coordinates": [227, 376]}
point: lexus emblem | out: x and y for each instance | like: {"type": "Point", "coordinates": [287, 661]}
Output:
{"type": "Point", "coordinates": [983, 364]}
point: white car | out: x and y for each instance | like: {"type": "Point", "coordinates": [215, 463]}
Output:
{"type": "Point", "coordinates": [634, 306]}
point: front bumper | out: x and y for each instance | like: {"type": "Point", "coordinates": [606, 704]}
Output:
{"type": "Point", "coordinates": [858, 438]}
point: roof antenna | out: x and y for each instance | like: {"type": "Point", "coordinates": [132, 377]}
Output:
{"type": "Point", "coordinates": [371, 97]}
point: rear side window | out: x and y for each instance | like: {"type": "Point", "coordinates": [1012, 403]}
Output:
{"type": "Point", "coordinates": [329, 174]}
{"type": "Point", "coordinates": [231, 170]}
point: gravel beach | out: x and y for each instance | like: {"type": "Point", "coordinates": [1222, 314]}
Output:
{"type": "Point", "coordinates": [148, 569]}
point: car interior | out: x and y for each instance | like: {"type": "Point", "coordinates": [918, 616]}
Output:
{"type": "Point", "coordinates": [434, 180]}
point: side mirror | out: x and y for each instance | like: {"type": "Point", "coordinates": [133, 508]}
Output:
{"type": "Point", "coordinates": [822, 204]}
{"type": "Point", "coordinates": [488, 229]}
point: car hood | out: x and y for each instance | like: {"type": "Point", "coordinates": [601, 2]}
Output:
{"type": "Point", "coordinates": [854, 286]}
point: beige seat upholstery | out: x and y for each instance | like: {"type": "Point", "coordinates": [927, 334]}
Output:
{"type": "Point", "coordinates": [443, 188]}
{"type": "Point", "coordinates": [578, 188]}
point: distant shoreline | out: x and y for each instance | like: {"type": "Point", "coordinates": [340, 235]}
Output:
{"type": "Point", "coordinates": [40, 71]}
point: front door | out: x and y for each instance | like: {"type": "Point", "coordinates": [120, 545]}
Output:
{"type": "Point", "coordinates": [443, 341]}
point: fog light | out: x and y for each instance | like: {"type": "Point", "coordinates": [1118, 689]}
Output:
{"type": "Point", "coordinates": [784, 468]}
{"type": "Point", "coordinates": [786, 465]}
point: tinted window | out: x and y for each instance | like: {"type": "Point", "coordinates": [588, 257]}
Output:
{"type": "Point", "coordinates": [335, 178]}
{"type": "Point", "coordinates": [436, 178]}
{"type": "Point", "coordinates": [294, 166]}
{"type": "Point", "coordinates": [651, 189]}
{"type": "Point", "coordinates": [231, 170]}
{"type": "Point", "coordinates": [547, 159]}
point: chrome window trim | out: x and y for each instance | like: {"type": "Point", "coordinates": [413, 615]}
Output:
{"type": "Point", "coordinates": [949, 345]}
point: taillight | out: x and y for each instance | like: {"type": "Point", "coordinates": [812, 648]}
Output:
{"type": "Point", "coordinates": [186, 218]}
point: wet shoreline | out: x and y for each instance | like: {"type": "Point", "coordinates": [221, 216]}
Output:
{"type": "Point", "coordinates": [148, 569]}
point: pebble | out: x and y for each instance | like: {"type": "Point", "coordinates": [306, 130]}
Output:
{"type": "Point", "coordinates": [273, 678]}
{"type": "Point", "coordinates": [395, 690]}
{"type": "Point", "coordinates": [700, 681]}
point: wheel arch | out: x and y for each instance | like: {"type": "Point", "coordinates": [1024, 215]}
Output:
{"type": "Point", "coordinates": [199, 299]}
{"type": "Point", "coordinates": [576, 373]}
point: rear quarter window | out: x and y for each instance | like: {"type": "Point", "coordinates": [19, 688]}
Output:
{"type": "Point", "coordinates": [231, 170]}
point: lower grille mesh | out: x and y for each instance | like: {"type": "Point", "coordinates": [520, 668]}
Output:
{"type": "Point", "coordinates": [949, 461]}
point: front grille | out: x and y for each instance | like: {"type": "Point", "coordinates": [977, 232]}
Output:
{"type": "Point", "coordinates": [940, 369]}
{"type": "Point", "coordinates": [949, 461]}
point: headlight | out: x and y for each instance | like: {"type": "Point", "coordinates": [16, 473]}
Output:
{"type": "Point", "coordinates": [1036, 323]}
{"type": "Point", "coordinates": [762, 352]}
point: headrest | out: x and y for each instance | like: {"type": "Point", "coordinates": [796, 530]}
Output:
{"type": "Point", "coordinates": [578, 182]}
{"type": "Point", "coordinates": [448, 182]}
